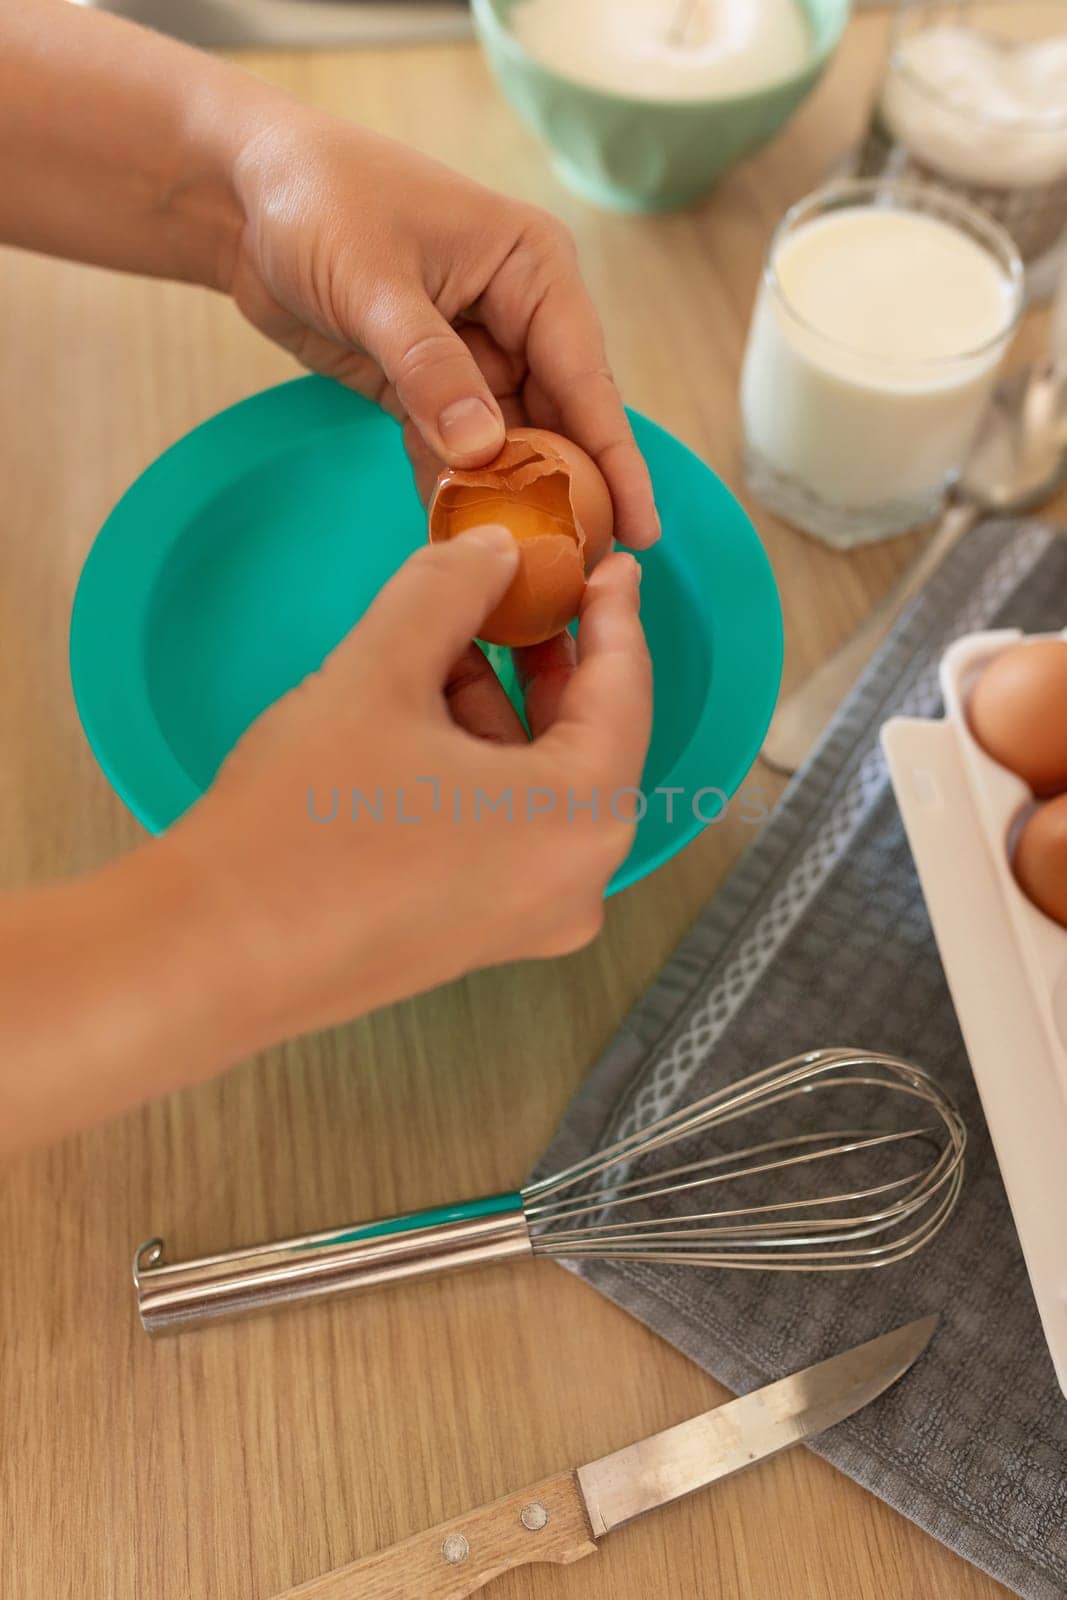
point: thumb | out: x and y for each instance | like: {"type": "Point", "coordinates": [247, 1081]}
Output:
{"type": "Point", "coordinates": [437, 381]}
{"type": "Point", "coordinates": [427, 614]}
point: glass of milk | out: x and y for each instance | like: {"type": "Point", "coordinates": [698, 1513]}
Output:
{"type": "Point", "coordinates": [882, 317]}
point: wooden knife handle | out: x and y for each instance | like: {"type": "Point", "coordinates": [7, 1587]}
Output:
{"type": "Point", "coordinates": [545, 1523]}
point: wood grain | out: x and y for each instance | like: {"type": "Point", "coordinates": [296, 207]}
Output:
{"type": "Point", "coordinates": [247, 1458]}
{"type": "Point", "coordinates": [461, 1557]}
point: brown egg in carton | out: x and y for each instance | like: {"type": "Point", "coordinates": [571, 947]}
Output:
{"type": "Point", "coordinates": [979, 832]}
{"type": "Point", "coordinates": [1017, 711]}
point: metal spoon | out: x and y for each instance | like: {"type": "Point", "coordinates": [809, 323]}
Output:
{"type": "Point", "coordinates": [1019, 460]}
{"type": "Point", "coordinates": [689, 27]}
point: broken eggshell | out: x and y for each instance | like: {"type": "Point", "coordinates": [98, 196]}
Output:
{"type": "Point", "coordinates": [553, 499]}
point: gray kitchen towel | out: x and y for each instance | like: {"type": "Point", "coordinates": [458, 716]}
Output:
{"type": "Point", "coordinates": [820, 937]}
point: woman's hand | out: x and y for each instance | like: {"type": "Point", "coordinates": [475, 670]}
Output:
{"type": "Point", "coordinates": [458, 310]}
{"type": "Point", "coordinates": [255, 918]}
{"type": "Point", "coordinates": [360, 844]}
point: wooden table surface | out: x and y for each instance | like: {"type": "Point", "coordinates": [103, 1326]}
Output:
{"type": "Point", "coordinates": [239, 1460]}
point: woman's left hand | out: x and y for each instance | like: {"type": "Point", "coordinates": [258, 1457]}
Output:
{"type": "Point", "coordinates": [458, 310]}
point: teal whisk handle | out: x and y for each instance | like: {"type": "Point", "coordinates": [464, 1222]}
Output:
{"type": "Point", "coordinates": [187, 1294]}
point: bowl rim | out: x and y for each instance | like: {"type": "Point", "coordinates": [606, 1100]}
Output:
{"type": "Point", "coordinates": [118, 585]}
{"type": "Point", "coordinates": [489, 23]}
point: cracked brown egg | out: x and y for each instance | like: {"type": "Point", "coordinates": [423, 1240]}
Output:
{"type": "Point", "coordinates": [553, 499]}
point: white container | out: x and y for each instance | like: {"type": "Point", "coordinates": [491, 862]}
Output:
{"type": "Point", "coordinates": [882, 318]}
{"type": "Point", "coordinates": [1005, 961]}
{"type": "Point", "coordinates": [978, 110]}
{"type": "Point", "coordinates": [974, 99]}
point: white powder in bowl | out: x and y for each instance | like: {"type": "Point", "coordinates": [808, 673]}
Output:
{"type": "Point", "coordinates": [636, 48]}
{"type": "Point", "coordinates": [980, 110]}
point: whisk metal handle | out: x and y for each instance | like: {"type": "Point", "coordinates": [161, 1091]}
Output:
{"type": "Point", "coordinates": [173, 1296]}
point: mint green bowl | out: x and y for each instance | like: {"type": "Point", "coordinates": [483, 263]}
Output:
{"type": "Point", "coordinates": [242, 556]}
{"type": "Point", "coordinates": [646, 155]}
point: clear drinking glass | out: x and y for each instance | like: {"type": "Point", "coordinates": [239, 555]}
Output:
{"type": "Point", "coordinates": [858, 412]}
{"type": "Point", "coordinates": [974, 98]}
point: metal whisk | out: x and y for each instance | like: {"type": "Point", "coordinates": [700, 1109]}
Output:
{"type": "Point", "coordinates": [716, 1207]}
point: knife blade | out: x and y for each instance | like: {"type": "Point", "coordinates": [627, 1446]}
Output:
{"type": "Point", "coordinates": [561, 1519]}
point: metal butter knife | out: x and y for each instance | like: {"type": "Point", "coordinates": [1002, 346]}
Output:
{"type": "Point", "coordinates": [561, 1519]}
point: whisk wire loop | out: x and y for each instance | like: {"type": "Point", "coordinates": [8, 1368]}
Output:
{"type": "Point", "coordinates": [587, 1211]}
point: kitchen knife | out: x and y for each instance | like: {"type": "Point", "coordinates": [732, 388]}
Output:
{"type": "Point", "coordinates": [561, 1519]}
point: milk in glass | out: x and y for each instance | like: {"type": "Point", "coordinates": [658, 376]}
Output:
{"type": "Point", "coordinates": [873, 349]}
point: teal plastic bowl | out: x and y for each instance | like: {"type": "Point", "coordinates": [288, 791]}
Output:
{"type": "Point", "coordinates": [646, 155]}
{"type": "Point", "coordinates": [249, 549]}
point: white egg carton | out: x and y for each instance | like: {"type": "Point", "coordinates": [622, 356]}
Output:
{"type": "Point", "coordinates": [1006, 962]}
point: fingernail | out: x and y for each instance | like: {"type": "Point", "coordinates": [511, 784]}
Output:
{"type": "Point", "coordinates": [495, 538]}
{"type": "Point", "coordinates": [468, 427]}
{"type": "Point", "coordinates": [655, 531]}
{"type": "Point", "coordinates": [634, 567]}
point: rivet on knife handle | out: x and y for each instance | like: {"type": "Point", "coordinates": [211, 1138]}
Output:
{"type": "Point", "coordinates": [545, 1523]}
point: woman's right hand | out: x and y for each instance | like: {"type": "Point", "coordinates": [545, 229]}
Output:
{"type": "Point", "coordinates": [362, 843]}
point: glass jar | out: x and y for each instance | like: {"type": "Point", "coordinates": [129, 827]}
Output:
{"type": "Point", "coordinates": [975, 98]}
{"type": "Point", "coordinates": [883, 314]}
